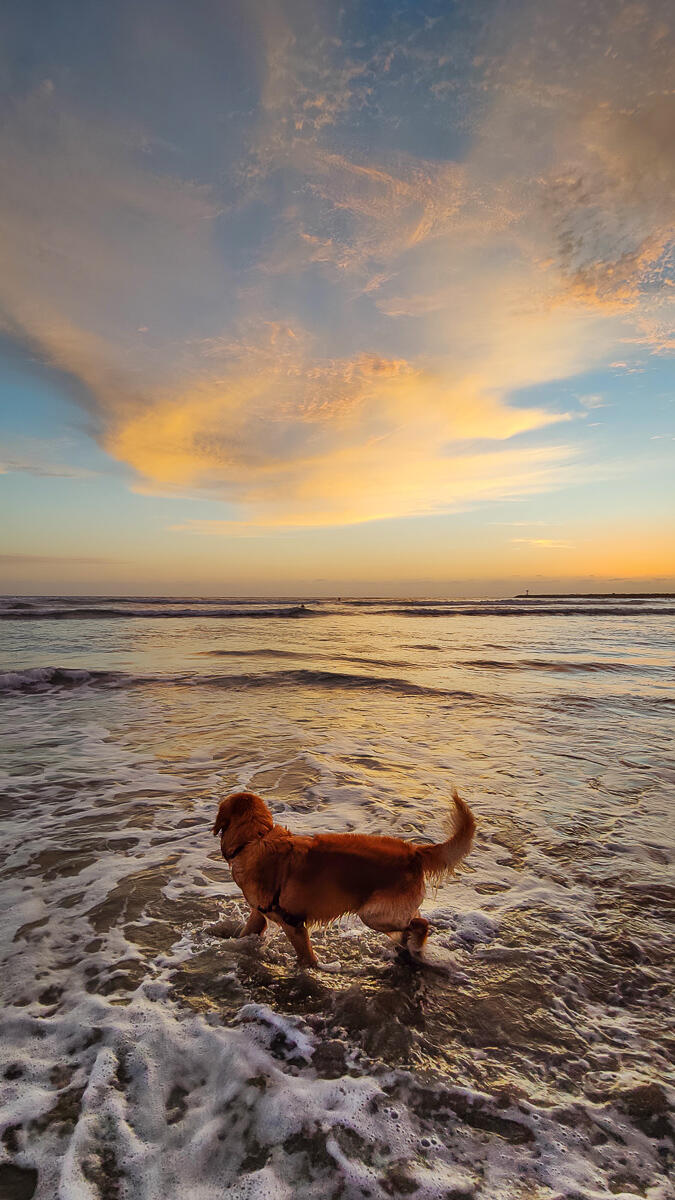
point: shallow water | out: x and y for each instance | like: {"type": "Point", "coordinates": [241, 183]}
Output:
{"type": "Point", "coordinates": [144, 1056]}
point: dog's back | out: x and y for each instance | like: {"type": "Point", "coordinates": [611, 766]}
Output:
{"type": "Point", "coordinates": [336, 873]}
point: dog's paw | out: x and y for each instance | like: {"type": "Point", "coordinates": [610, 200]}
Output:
{"type": "Point", "coordinates": [227, 928]}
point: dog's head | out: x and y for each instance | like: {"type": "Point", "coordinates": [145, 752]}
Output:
{"type": "Point", "coordinates": [241, 818]}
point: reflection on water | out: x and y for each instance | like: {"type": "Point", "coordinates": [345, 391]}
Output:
{"type": "Point", "coordinates": [143, 1052]}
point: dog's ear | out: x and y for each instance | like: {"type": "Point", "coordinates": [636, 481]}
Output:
{"type": "Point", "coordinates": [222, 818]}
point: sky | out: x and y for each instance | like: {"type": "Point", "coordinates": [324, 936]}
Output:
{"type": "Point", "coordinates": [301, 297]}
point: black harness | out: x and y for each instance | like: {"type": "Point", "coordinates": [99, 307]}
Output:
{"type": "Point", "coordinates": [229, 857]}
{"type": "Point", "coordinates": [288, 918]}
{"type": "Point", "coordinates": [275, 907]}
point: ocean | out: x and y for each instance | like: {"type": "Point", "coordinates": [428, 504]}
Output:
{"type": "Point", "coordinates": [143, 1057]}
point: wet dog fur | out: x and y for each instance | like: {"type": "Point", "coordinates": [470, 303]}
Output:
{"type": "Point", "coordinates": [298, 881]}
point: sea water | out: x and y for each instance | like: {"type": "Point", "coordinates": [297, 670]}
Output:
{"type": "Point", "coordinates": [144, 1057]}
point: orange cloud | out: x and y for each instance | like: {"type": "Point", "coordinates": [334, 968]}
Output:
{"type": "Point", "coordinates": [544, 543]}
{"type": "Point", "coordinates": [295, 441]}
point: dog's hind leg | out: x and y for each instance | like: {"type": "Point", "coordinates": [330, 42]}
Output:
{"type": "Point", "coordinates": [409, 932]}
{"type": "Point", "coordinates": [381, 923]}
{"type": "Point", "coordinates": [415, 934]}
{"type": "Point", "coordinates": [394, 913]}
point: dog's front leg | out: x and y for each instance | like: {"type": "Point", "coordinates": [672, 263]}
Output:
{"type": "Point", "coordinates": [257, 923]}
{"type": "Point", "coordinates": [299, 939]}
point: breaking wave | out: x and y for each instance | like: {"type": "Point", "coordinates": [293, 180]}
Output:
{"type": "Point", "coordinates": [60, 608]}
{"type": "Point", "coordinates": [96, 611]}
{"type": "Point", "coordinates": [300, 654]}
{"type": "Point", "coordinates": [540, 664]}
{"type": "Point", "coordinates": [43, 679]}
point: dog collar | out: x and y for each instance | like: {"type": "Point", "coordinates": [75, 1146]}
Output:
{"type": "Point", "coordinates": [229, 857]}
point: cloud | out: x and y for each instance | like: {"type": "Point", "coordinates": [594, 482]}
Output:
{"type": "Point", "coordinates": [296, 441]}
{"type": "Point", "coordinates": [544, 543]}
{"type": "Point", "coordinates": [597, 162]}
{"type": "Point", "coordinates": [29, 560]}
{"type": "Point", "coordinates": [10, 466]}
{"type": "Point", "coordinates": [330, 329]}
{"type": "Point", "coordinates": [593, 401]}
{"type": "Point", "coordinates": [41, 457]}
{"type": "Point", "coordinates": [232, 529]}
{"type": "Point", "coordinates": [93, 242]}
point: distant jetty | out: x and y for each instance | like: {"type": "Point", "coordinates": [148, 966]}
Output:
{"type": "Point", "coordinates": [595, 596]}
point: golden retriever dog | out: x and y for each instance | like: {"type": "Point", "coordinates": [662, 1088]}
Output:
{"type": "Point", "coordinates": [297, 881]}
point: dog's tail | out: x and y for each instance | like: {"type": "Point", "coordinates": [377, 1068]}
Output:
{"type": "Point", "coordinates": [440, 859]}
